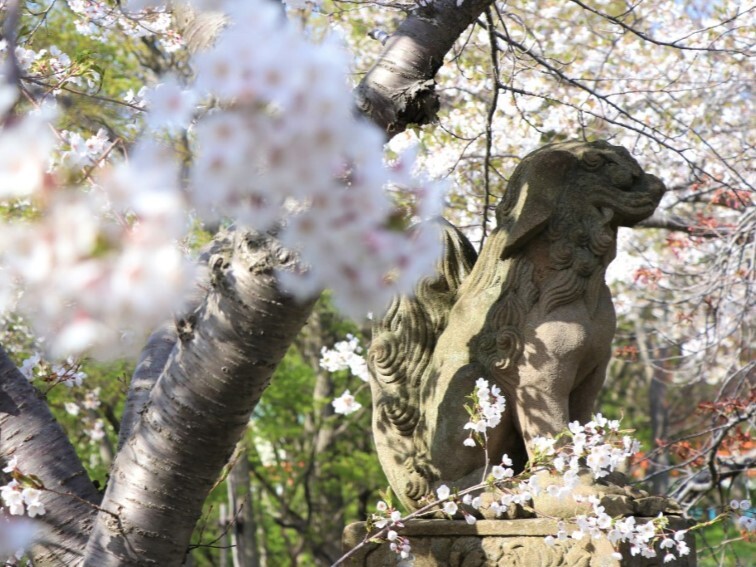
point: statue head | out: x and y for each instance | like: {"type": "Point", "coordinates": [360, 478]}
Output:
{"type": "Point", "coordinates": [588, 177]}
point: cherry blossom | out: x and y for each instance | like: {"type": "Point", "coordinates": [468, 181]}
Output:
{"type": "Point", "coordinates": [20, 500]}
{"type": "Point", "coordinates": [99, 20]}
{"type": "Point", "coordinates": [641, 537]}
{"type": "Point", "coordinates": [344, 355]}
{"type": "Point", "coordinates": [346, 404]}
{"type": "Point", "coordinates": [170, 106]}
{"type": "Point", "coordinates": [488, 404]}
{"type": "Point", "coordinates": [274, 151]}
{"type": "Point", "coordinates": [24, 153]}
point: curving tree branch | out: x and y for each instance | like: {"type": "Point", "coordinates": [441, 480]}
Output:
{"type": "Point", "coordinates": [400, 88]}
{"type": "Point", "coordinates": [29, 432]}
{"type": "Point", "coordinates": [200, 405]}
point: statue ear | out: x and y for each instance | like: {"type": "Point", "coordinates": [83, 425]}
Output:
{"type": "Point", "coordinates": [538, 188]}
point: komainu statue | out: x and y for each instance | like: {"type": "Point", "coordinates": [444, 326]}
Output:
{"type": "Point", "coordinates": [532, 314]}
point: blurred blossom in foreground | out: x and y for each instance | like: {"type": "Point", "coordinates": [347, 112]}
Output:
{"type": "Point", "coordinates": [99, 267]}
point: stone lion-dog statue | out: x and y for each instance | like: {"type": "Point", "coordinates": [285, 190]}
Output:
{"type": "Point", "coordinates": [532, 314]}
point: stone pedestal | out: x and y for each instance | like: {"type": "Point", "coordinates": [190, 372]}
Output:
{"type": "Point", "coordinates": [498, 543]}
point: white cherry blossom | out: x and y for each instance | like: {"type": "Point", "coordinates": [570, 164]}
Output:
{"type": "Point", "coordinates": [346, 404]}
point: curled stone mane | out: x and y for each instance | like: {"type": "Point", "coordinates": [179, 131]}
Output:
{"type": "Point", "coordinates": [500, 344]}
{"type": "Point", "coordinates": [578, 255]}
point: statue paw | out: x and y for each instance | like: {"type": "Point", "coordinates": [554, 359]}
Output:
{"type": "Point", "coordinates": [613, 492]}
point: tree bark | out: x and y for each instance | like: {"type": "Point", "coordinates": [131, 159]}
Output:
{"type": "Point", "coordinates": [244, 530]}
{"type": "Point", "coordinates": [152, 360]}
{"type": "Point", "coordinates": [400, 88]}
{"type": "Point", "coordinates": [199, 407]}
{"type": "Point", "coordinates": [29, 432]}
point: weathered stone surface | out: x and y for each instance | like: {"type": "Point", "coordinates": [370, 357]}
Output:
{"type": "Point", "coordinates": [532, 314]}
{"type": "Point", "coordinates": [616, 495]}
{"type": "Point", "coordinates": [497, 543]}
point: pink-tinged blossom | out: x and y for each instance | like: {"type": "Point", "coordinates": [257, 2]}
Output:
{"type": "Point", "coordinates": [102, 267]}
{"type": "Point", "coordinates": [345, 355]}
{"type": "Point", "coordinates": [97, 432]}
{"type": "Point", "coordinates": [83, 152]}
{"type": "Point", "coordinates": [170, 105]}
{"type": "Point", "coordinates": [501, 473]}
{"type": "Point", "coordinates": [68, 373]}
{"type": "Point", "coordinates": [24, 154]}
{"type": "Point", "coordinates": [139, 18]}
{"type": "Point", "coordinates": [13, 498]}
{"type": "Point", "coordinates": [401, 547]}
{"type": "Point", "coordinates": [29, 364]}
{"type": "Point", "coordinates": [544, 445]}
{"type": "Point", "coordinates": [346, 404]}
{"type": "Point", "coordinates": [72, 408]}
{"type": "Point", "coordinates": [293, 139]}
{"type": "Point", "coordinates": [34, 506]}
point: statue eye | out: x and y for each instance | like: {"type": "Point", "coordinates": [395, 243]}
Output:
{"type": "Point", "coordinates": [592, 160]}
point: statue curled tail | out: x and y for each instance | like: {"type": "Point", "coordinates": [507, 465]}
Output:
{"type": "Point", "coordinates": [399, 357]}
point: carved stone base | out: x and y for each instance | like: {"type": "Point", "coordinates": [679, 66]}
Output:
{"type": "Point", "coordinates": [499, 543]}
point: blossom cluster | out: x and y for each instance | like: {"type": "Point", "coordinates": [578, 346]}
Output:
{"type": "Point", "coordinates": [21, 499]}
{"type": "Point", "coordinates": [449, 505]}
{"type": "Point", "coordinates": [388, 517]}
{"type": "Point", "coordinates": [597, 448]}
{"type": "Point", "coordinates": [25, 147]}
{"type": "Point", "coordinates": [70, 374]}
{"type": "Point", "coordinates": [286, 145]}
{"type": "Point", "coordinates": [599, 444]}
{"type": "Point", "coordinates": [642, 537]}
{"type": "Point", "coordinates": [67, 372]}
{"type": "Point", "coordinates": [97, 268]}
{"type": "Point", "coordinates": [345, 355]}
{"type": "Point", "coordinates": [274, 144]}
{"type": "Point", "coordinates": [53, 66]}
{"type": "Point", "coordinates": [83, 265]}
{"type": "Point", "coordinates": [99, 20]}
{"type": "Point", "coordinates": [90, 402]}
{"type": "Point", "coordinates": [487, 406]}
{"type": "Point", "coordinates": [79, 152]}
